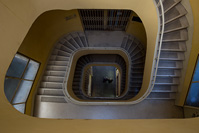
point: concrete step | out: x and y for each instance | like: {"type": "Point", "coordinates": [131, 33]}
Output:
{"type": "Point", "coordinates": [167, 80]}
{"type": "Point", "coordinates": [76, 37]}
{"type": "Point", "coordinates": [83, 39]}
{"type": "Point", "coordinates": [52, 99]}
{"type": "Point", "coordinates": [176, 35]}
{"type": "Point", "coordinates": [59, 58]}
{"type": "Point", "coordinates": [72, 41]}
{"type": "Point", "coordinates": [137, 65]}
{"type": "Point", "coordinates": [136, 53]}
{"type": "Point", "coordinates": [174, 47]}
{"type": "Point", "coordinates": [138, 62]}
{"type": "Point", "coordinates": [136, 80]}
{"type": "Point", "coordinates": [50, 92]}
{"type": "Point", "coordinates": [55, 73]}
{"type": "Point", "coordinates": [175, 29]}
{"type": "Point", "coordinates": [134, 47]}
{"type": "Point", "coordinates": [175, 11]}
{"type": "Point", "coordinates": [176, 24]}
{"type": "Point", "coordinates": [170, 64]}
{"type": "Point", "coordinates": [168, 73]}
{"type": "Point", "coordinates": [170, 4]}
{"type": "Point", "coordinates": [69, 45]}
{"type": "Point", "coordinates": [61, 53]}
{"type": "Point", "coordinates": [56, 68]}
{"type": "Point", "coordinates": [64, 48]}
{"type": "Point", "coordinates": [139, 58]}
{"type": "Point", "coordinates": [161, 96]}
{"type": "Point", "coordinates": [124, 42]}
{"type": "Point", "coordinates": [175, 18]}
{"type": "Point", "coordinates": [58, 63]}
{"type": "Point", "coordinates": [166, 88]}
{"type": "Point", "coordinates": [53, 79]}
{"type": "Point", "coordinates": [54, 85]}
{"type": "Point", "coordinates": [176, 56]}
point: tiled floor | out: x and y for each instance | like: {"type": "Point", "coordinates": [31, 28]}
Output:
{"type": "Point", "coordinates": [100, 88]}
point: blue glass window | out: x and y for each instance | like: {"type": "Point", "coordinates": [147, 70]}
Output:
{"type": "Point", "coordinates": [196, 73]}
{"type": "Point", "coordinates": [193, 94]}
{"type": "Point", "coordinates": [19, 80]}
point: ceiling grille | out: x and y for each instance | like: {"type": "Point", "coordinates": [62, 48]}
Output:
{"type": "Point", "coordinates": [97, 19]}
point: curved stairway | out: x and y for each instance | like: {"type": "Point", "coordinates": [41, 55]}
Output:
{"type": "Point", "coordinates": [170, 63]}
{"type": "Point", "coordinates": [51, 86]}
{"type": "Point", "coordinates": [89, 59]}
{"type": "Point", "coordinates": [172, 51]}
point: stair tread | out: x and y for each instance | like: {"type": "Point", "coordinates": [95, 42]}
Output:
{"type": "Point", "coordinates": [172, 6]}
{"type": "Point", "coordinates": [174, 40]}
{"type": "Point", "coordinates": [175, 29]}
{"type": "Point", "coordinates": [173, 50]}
{"type": "Point", "coordinates": [160, 98]}
{"type": "Point", "coordinates": [168, 75]}
{"type": "Point", "coordinates": [168, 21]}
{"type": "Point", "coordinates": [166, 83]}
{"type": "Point", "coordinates": [162, 91]}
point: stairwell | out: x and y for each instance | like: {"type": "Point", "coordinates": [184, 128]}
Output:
{"type": "Point", "coordinates": [173, 48]}
{"type": "Point", "coordinates": [172, 51]}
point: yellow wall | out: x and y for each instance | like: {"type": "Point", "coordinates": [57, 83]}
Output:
{"type": "Point", "coordinates": [16, 19]}
{"type": "Point", "coordinates": [194, 52]}
{"type": "Point", "coordinates": [41, 38]}
{"type": "Point", "coordinates": [137, 29]}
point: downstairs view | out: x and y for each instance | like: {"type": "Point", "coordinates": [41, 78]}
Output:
{"type": "Point", "coordinates": [100, 66]}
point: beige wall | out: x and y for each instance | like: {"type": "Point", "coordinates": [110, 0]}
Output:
{"type": "Point", "coordinates": [41, 38]}
{"type": "Point", "coordinates": [16, 19]}
{"type": "Point", "coordinates": [137, 29]}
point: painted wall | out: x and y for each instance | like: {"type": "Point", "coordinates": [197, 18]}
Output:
{"type": "Point", "coordinates": [137, 29]}
{"type": "Point", "coordinates": [41, 38]}
{"type": "Point", "coordinates": [16, 19]}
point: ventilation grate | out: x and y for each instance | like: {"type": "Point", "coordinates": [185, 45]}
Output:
{"type": "Point", "coordinates": [97, 19]}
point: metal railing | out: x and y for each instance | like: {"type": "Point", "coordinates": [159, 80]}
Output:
{"type": "Point", "coordinates": [159, 46]}
{"type": "Point", "coordinates": [160, 11]}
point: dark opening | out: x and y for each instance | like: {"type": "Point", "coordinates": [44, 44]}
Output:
{"type": "Point", "coordinates": [136, 19]}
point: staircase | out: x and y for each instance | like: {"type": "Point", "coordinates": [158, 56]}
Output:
{"type": "Point", "coordinates": [51, 86]}
{"type": "Point", "coordinates": [169, 68]}
{"type": "Point", "coordinates": [172, 51]}
{"type": "Point", "coordinates": [96, 59]}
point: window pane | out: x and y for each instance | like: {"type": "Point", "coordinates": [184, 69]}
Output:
{"type": "Point", "coordinates": [196, 73]}
{"type": "Point", "coordinates": [31, 70]}
{"type": "Point", "coordinates": [22, 92]}
{"type": "Point", "coordinates": [20, 107]}
{"type": "Point", "coordinates": [10, 86]}
{"type": "Point", "coordinates": [193, 95]}
{"type": "Point", "coordinates": [17, 66]}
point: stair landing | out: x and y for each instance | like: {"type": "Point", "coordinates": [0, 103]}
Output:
{"type": "Point", "coordinates": [148, 109]}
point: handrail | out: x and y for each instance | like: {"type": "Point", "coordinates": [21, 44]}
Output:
{"type": "Point", "coordinates": [157, 51]}
{"type": "Point", "coordinates": [160, 39]}
{"type": "Point", "coordinates": [154, 66]}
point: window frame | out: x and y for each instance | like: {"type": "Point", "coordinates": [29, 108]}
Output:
{"type": "Point", "coordinates": [191, 82]}
{"type": "Point", "coordinates": [22, 79]}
